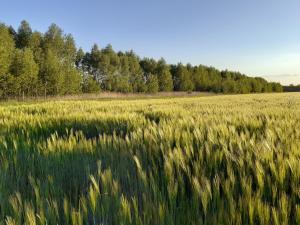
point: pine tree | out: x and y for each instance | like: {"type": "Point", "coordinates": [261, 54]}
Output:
{"type": "Point", "coordinates": [23, 35]}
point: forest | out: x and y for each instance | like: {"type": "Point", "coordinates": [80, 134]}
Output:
{"type": "Point", "coordinates": [291, 88]}
{"type": "Point", "coordinates": [49, 64]}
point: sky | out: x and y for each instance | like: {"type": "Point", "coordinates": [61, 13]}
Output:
{"type": "Point", "coordinates": [255, 37]}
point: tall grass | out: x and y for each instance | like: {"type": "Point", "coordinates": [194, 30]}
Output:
{"type": "Point", "coordinates": [208, 160]}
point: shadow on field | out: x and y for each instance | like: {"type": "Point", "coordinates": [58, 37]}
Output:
{"type": "Point", "coordinates": [91, 128]}
{"type": "Point", "coordinates": [60, 173]}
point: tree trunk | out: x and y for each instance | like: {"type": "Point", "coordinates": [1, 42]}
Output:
{"type": "Point", "coordinates": [45, 93]}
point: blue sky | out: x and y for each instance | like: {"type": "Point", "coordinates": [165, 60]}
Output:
{"type": "Point", "coordinates": [256, 37]}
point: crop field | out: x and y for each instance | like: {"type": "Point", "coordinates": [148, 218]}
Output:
{"type": "Point", "coordinates": [187, 160]}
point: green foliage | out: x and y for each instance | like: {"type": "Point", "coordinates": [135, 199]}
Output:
{"type": "Point", "coordinates": [51, 73]}
{"type": "Point", "coordinates": [62, 69]}
{"type": "Point", "coordinates": [135, 72]}
{"type": "Point", "coordinates": [79, 58]}
{"type": "Point", "coordinates": [164, 76]}
{"type": "Point", "coordinates": [152, 84]}
{"type": "Point", "coordinates": [161, 69]}
{"type": "Point", "coordinates": [25, 71]}
{"type": "Point", "coordinates": [165, 80]}
{"type": "Point", "coordinates": [54, 40]}
{"type": "Point", "coordinates": [292, 88]}
{"type": "Point", "coordinates": [90, 85]}
{"type": "Point", "coordinates": [182, 79]}
{"type": "Point", "coordinates": [24, 35]}
{"type": "Point", "coordinates": [120, 83]}
{"type": "Point", "coordinates": [6, 50]}
{"type": "Point", "coordinates": [72, 81]}
{"type": "Point", "coordinates": [276, 87]}
{"type": "Point", "coordinates": [229, 86]}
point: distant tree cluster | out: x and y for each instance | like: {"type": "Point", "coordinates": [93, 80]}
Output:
{"type": "Point", "coordinates": [37, 64]}
{"type": "Point", "coordinates": [292, 88]}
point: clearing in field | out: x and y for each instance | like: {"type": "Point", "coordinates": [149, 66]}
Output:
{"type": "Point", "coordinates": [198, 160]}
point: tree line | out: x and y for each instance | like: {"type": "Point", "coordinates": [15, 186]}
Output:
{"type": "Point", "coordinates": [42, 64]}
{"type": "Point", "coordinates": [291, 88]}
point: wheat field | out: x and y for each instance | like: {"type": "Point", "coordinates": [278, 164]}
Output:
{"type": "Point", "coordinates": [187, 160]}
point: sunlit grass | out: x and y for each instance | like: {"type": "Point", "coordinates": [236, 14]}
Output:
{"type": "Point", "coordinates": [200, 160]}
